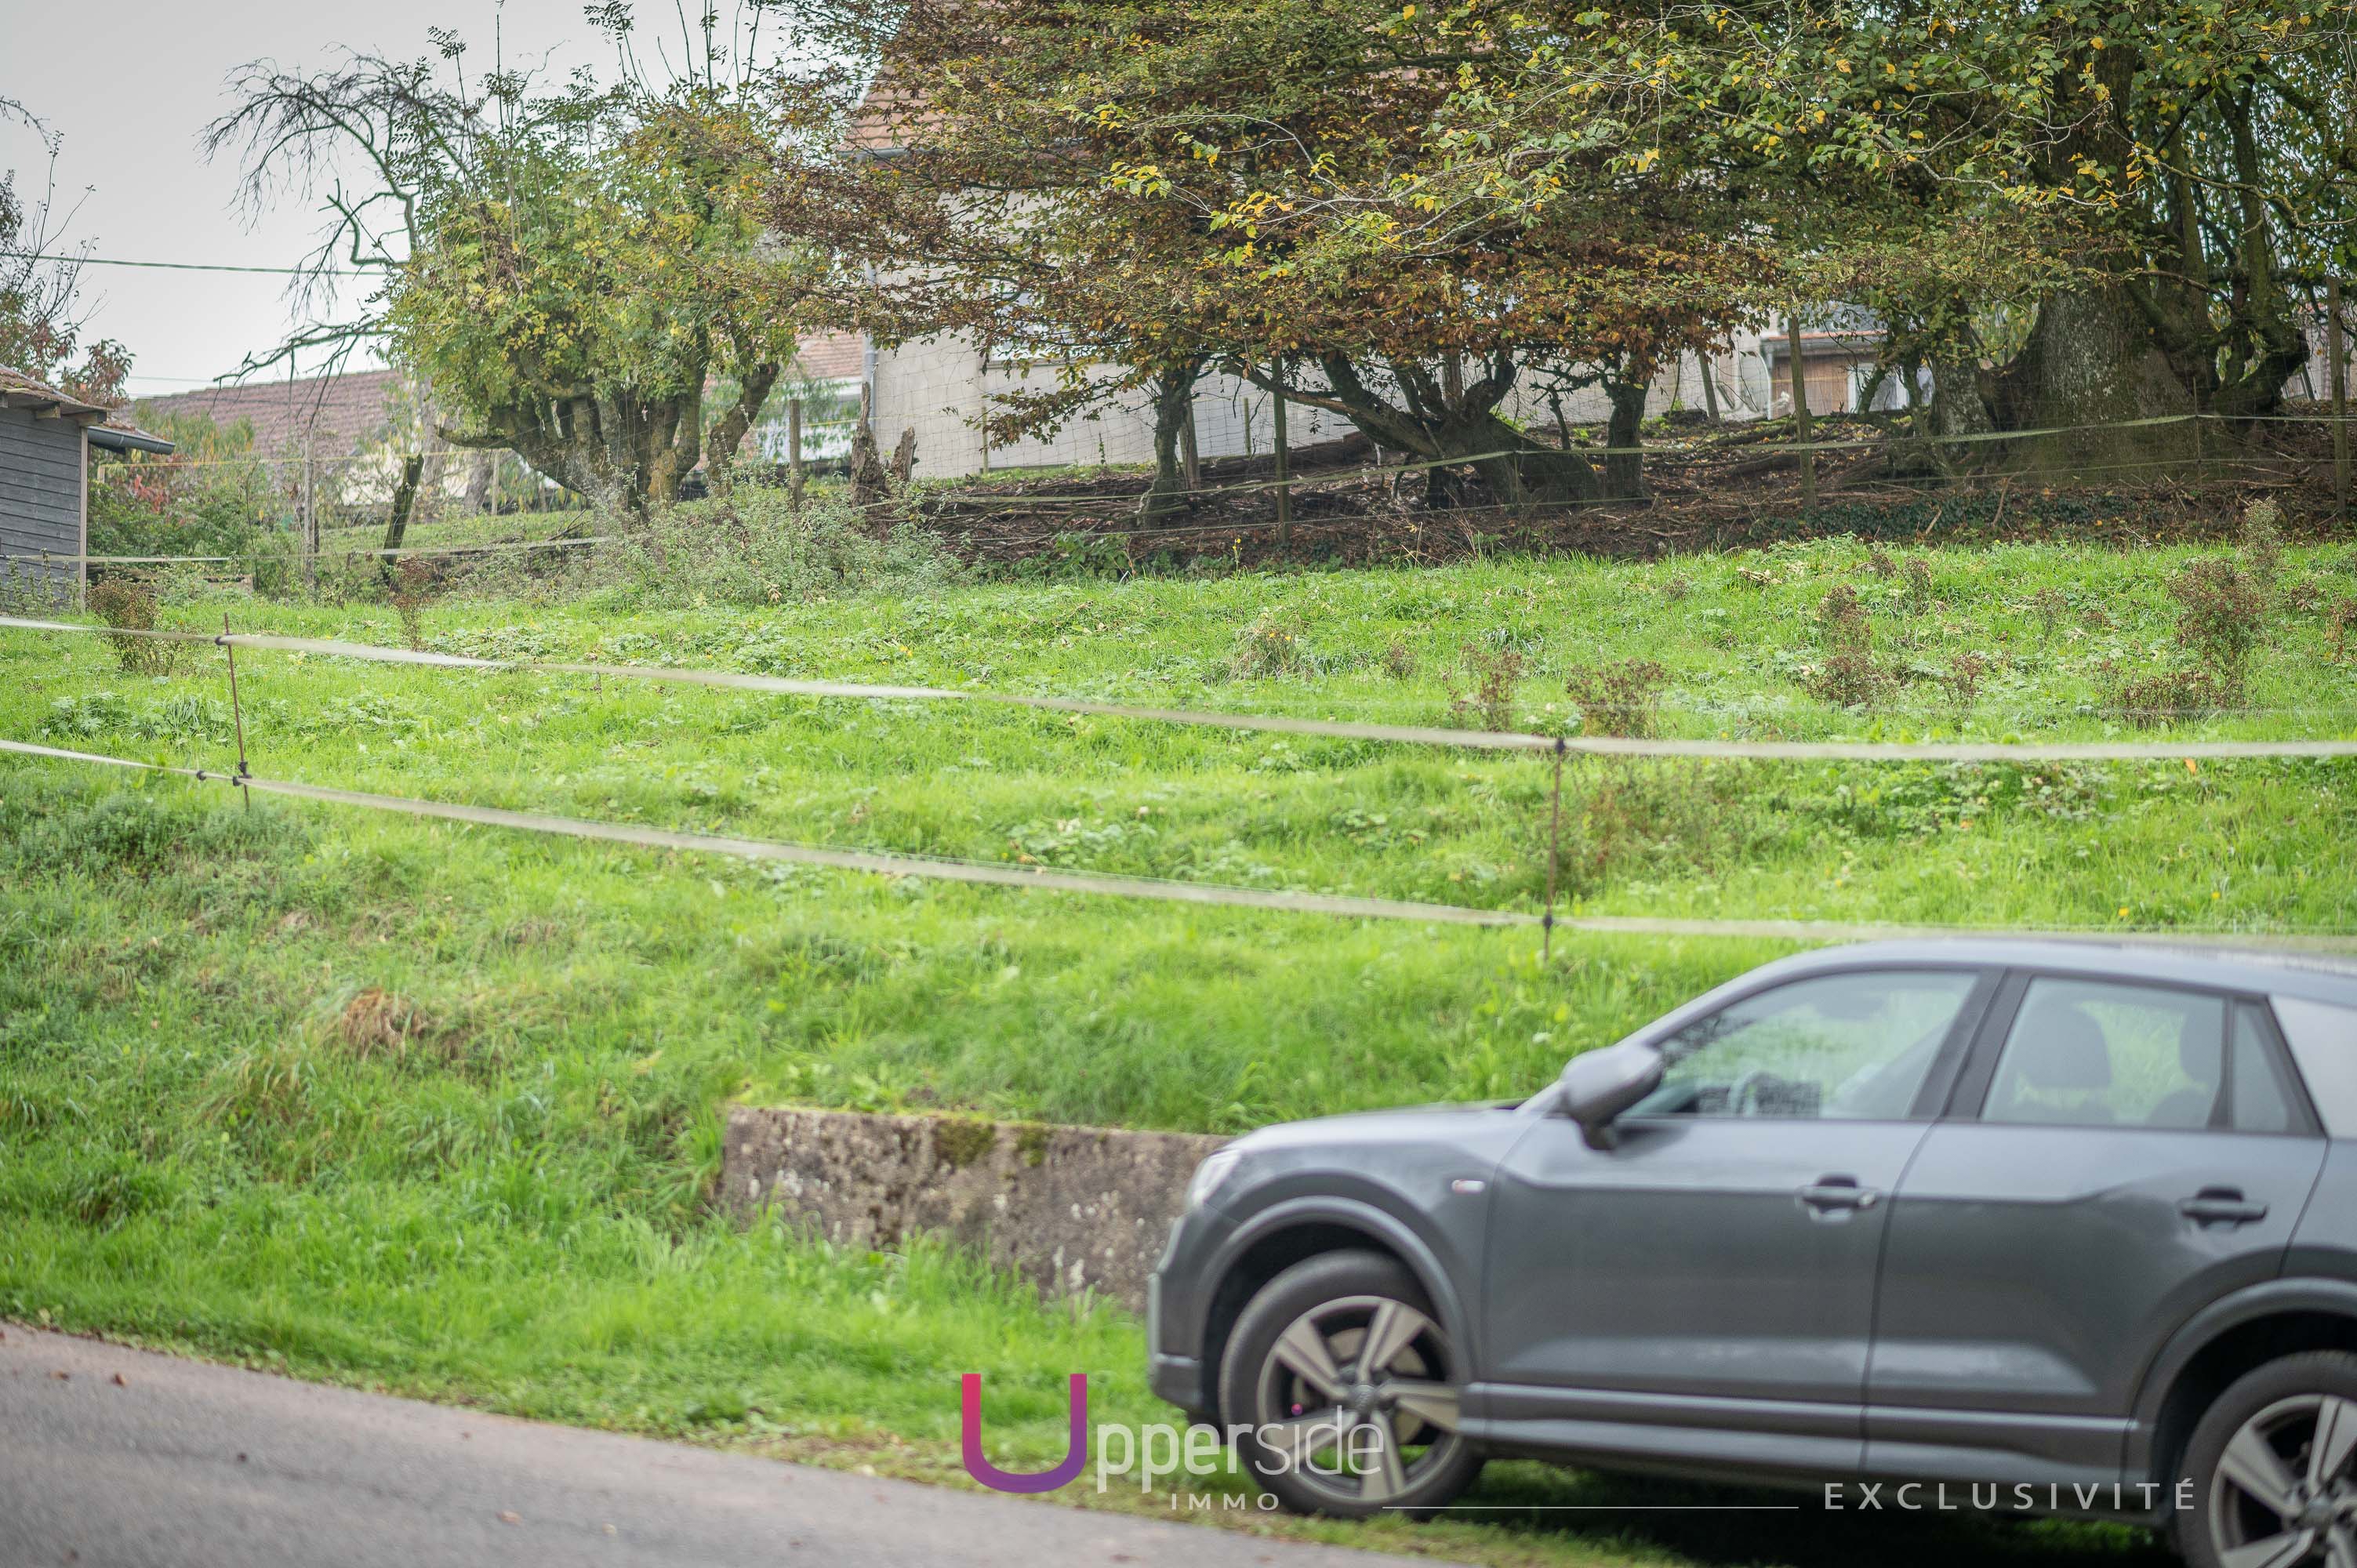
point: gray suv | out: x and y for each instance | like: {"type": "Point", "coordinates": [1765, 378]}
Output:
{"type": "Point", "coordinates": [2067, 1228]}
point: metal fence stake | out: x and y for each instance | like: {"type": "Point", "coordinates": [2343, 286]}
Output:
{"type": "Point", "coordinates": [795, 472]}
{"type": "Point", "coordinates": [237, 713]}
{"type": "Point", "coordinates": [1284, 465]}
{"type": "Point", "coordinates": [1555, 858]}
{"type": "Point", "coordinates": [2336, 337]}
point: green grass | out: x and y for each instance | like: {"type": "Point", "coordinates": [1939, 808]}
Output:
{"type": "Point", "coordinates": [434, 1108]}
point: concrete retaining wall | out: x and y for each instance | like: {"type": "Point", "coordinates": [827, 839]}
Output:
{"type": "Point", "coordinates": [1073, 1209]}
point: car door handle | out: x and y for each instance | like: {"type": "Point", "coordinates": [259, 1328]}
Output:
{"type": "Point", "coordinates": [1838, 1195]}
{"type": "Point", "coordinates": [2220, 1205]}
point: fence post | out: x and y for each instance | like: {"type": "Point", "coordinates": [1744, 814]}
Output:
{"type": "Point", "coordinates": [1284, 490]}
{"type": "Point", "coordinates": [1800, 410]}
{"type": "Point", "coordinates": [982, 388]}
{"type": "Point", "coordinates": [311, 524]}
{"type": "Point", "coordinates": [2337, 335]}
{"type": "Point", "coordinates": [794, 453]}
{"type": "Point", "coordinates": [1554, 857]}
{"type": "Point", "coordinates": [237, 713]}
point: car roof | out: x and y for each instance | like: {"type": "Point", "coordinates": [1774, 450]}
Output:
{"type": "Point", "coordinates": [2315, 976]}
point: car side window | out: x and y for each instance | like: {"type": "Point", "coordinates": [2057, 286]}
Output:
{"type": "Point", "coordinates": [1840, 1047]}
{"type": "Point", "coordinates": [2262, 1100]}
{"type": "Point", "coordinates": [2323, 1041]}
{"type": "Point", "coordinates": [2086, 1053]}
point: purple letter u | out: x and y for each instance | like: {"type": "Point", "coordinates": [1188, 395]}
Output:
{"type": "Point", "coordinates": [999, 1480]}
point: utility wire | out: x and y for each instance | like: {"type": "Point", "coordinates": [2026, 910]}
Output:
{"type": "Point", "coordinates": [184, 266]}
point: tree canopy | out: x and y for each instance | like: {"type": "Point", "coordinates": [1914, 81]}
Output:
{"type": "Point", "coordinates": [2076, 212]}
{"type": "Point", "coordinates": [569, 266]}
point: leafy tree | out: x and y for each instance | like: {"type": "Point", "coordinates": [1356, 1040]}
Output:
{"type": "Point", "coordinates": [569, 268]}
{"type": "Point", "coordinates": [2079, 211]}
{"type": "Point", "coordinates": [40, 285]}
{"type": "Point", "coordinates": [1241, 181]}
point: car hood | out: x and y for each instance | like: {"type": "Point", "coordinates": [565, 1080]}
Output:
{"type": "Point", "coordinates": [1407, 1123]}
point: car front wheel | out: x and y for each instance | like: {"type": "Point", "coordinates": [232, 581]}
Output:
{"type": "Point", "coordinates": [1351, 1388]}
{"type": "Point", "coordinates": [2273, 1469]}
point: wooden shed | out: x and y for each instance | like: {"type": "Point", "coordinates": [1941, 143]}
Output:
{"type": "Point", "coordinates": [46, 438]}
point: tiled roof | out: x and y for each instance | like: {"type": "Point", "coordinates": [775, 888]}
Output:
{"type": "Point", "coordinates": [831, 355]}
{"type": "Point", "coordinates": [334, 415]}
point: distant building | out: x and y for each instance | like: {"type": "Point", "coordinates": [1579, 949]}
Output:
{"type": "Point", "coordinates": [1840, 348]}
{"type": "Point", "coordinates": [45, 440]}
{"type": "Point", "coordinates": [826, 375]}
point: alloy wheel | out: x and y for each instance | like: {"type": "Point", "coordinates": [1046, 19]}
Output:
{"type": "Point", "coordinates": [1357, 1399]}
{"type": "Point", "coordinates": [2284, 1490]}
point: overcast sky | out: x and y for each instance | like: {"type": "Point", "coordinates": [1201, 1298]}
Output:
{"type": "Point", "coordinates": [130, 85]}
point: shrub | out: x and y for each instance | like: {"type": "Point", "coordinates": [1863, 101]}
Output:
{"type": "Point", "coordinates": [1846, 674]}
{"type": "Point", "coordinates": [129, 609]}
{"type": "Point", "coordinates": [2339, 621]}
{"type": "Point", "coordinates": [1642, 818]}
{"type": "Point", "coordinates": [2221, 621]}
{"type": "Point", "coordinates": [1276, 643]}
{"type": "Point", "coordinates": [2263, 542]}
{"type": "Point", "coordinates": [1918, 573]}
{"type": "Point", "coordinates": [1963, 677]}
{"type": "Point", "coordinates": [754, 548]}
{"type": "Point", "coordinates": [2170, 696]}
{"type": "Point", "coordinates": [412, 582]}
{"type": "Point", "coordinates": [2049, 603]}
{"type": "Point", "coordinates": [1482, 687]}
{"type": "Point", "coordinates": [270, 558]}
{"type": "Point", "coordinates": [1621, 699]}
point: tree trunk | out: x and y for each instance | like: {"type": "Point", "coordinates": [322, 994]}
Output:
{"type": "Point", "coordinates": [480, 475]}
{"type": "Point", "coordinates": [621, 452]}
{"type": "Point", "coordinates": [2092, 360]}
{"type": "Point", "coordinates": [405, 498]}
{"type": "Point", "coordinates": [1174, 406]}
{"type": "Point", "coordinates": [1420, 417]}
{"type": "Point", "coordinates": [727, 432]}
{"type": "Point", "coordinates": [1624, 466]}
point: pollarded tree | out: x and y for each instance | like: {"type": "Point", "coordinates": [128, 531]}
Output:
{"type": "Point", "coordinates": [576, 292]}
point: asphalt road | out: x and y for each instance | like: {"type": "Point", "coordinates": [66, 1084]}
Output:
{"type": "Point", "coordinates": [183, 1464]}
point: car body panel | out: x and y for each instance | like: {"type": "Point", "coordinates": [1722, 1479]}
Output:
{"type": "Point", "coordinates": [1683, 1263]}
{"type": "Point", "coordinates": [2017, 1312]}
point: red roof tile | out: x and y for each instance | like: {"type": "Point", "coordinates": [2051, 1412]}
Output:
{"type": "Point", "coordinates": [334, 415]}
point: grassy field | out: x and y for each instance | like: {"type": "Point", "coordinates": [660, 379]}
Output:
{"type": "Point", "coordinates": [435, 1109]}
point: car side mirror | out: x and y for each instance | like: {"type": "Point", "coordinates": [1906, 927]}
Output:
{"type": "Point", "coordinates": [1597, 1087]}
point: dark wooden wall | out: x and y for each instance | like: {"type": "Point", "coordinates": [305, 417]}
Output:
{"type": "Point", "coordinates": [40, 493]}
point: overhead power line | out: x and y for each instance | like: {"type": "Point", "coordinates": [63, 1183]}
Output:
{"type": "Point", "coordinates": [184, 266]}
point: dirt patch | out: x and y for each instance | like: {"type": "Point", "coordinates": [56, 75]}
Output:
{"type": "Point", "coordinates": [378, 1023]}
{"type": "Point", "coordinates": [1707, 490]}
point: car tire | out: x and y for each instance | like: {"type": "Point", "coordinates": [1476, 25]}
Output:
{"type": "Point", "coordinates": [2274, 1459]}
{"type": "Point", "coordinates": [1329, 1432]}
